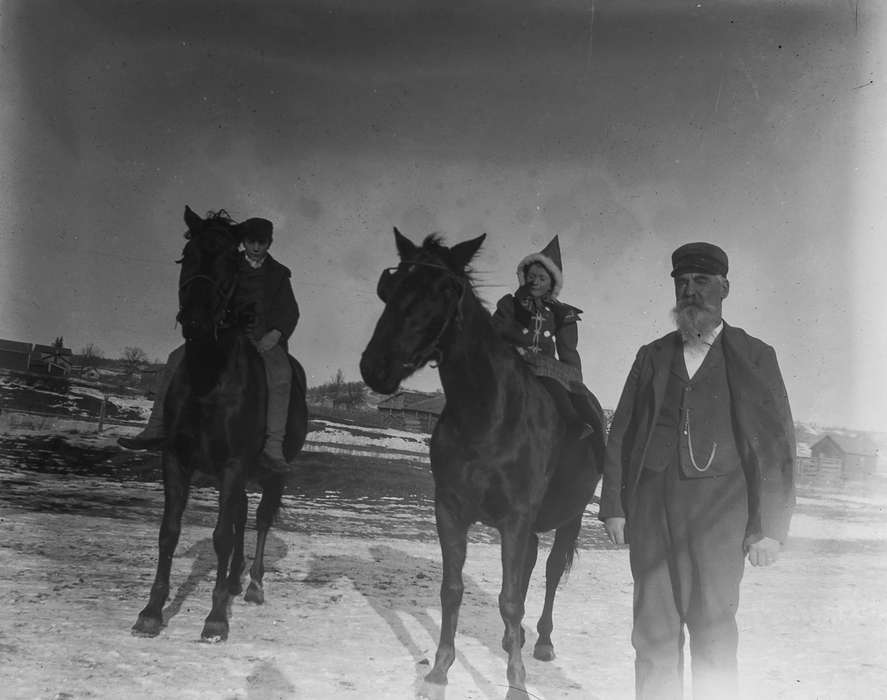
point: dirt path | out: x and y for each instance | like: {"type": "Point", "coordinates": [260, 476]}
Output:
{"type": "Point", "coordinates": [355, 614]}
{"type": "Point", "coordinates": [343, 618]}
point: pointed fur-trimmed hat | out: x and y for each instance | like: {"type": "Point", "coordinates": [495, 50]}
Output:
{"type": "Point", "coordinates": [550, 258]}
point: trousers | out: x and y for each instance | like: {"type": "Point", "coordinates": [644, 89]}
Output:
{"type": "Point", "coordinates": [278, 376]}
{"type": "Point", "coordinates": [687, 559]}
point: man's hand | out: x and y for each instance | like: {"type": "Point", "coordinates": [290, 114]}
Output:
{"type": "Point", "coordinates": [764, 552]}
{"type": "Point", "coordinates": [615, 528]}
{"type": "Point", "coordinates": [269, 340]}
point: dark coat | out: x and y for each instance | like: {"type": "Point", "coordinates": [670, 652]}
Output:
{"type": "Point", "coordinates": [559, 330]}
{"type": "Point", "coordinates": [762, 426]}
{"type": "Point", "coordinates": [279, 307]}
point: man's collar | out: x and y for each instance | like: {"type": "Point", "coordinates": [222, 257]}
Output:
{"type": "Point", "coordinates": [253, 263]}
{"type": "Point", "coordinates": [709, 338]}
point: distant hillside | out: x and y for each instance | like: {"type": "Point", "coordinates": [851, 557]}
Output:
{"type": "Point", "coordinates": [127, 398]}
{"type": "Point", "coordinates": [76, 398]}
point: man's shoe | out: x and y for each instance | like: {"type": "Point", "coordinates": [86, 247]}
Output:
{"type": "Point", "coordinates": [141, 442]}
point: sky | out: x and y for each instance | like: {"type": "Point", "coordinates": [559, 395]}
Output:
{"type": "Point", "coordinates": [625, 127]}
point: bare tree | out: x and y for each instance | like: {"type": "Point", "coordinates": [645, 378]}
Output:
{"type": "Point", "coordinates": [133, 358]}
{"type": "Point", "coordinates": [347, 394]}
{"type": "Point", "coordinates": [90, 354]}
{"type": "Point", "coordinates": [339, 393]}
{"type": "Point", "coordinates": [356, 394]}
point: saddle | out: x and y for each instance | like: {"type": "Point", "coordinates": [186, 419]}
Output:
{"type": "Point", "coordinates": [573, 399]}
{"type": "Point", "coordinates": [297, 413]}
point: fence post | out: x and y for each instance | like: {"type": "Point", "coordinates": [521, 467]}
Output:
{"type": "Point", "coordinates": [102, 413]}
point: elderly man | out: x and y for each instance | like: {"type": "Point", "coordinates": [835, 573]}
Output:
{"type": "Point", "coordinates": [698, 473]}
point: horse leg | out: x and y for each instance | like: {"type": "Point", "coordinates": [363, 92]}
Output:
{"type": "Point", "coordinates": [515, 537]}
{"type": "Point", "coordinates": [175, 496]}
{"type": "Point", "coordinates": [453, 536]}
{"type": "Point", "coordinates": [215, 627]}
{"type": "Point", "coordinates": [559, 560]}
{"type": "Point", "coordinates": [272, 491]}
{"type": "Point", "coordinates": [237, 562]}
{"type": "Point", "coordinates": [529, 565]}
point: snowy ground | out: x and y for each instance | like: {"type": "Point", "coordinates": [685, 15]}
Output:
{"type": "Point", "coordinates": [352, 607]}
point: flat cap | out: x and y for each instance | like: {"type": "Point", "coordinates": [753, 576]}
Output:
{"type": "Point", "coordinates": [257, 229]}
{"type": "Point", "coordinates": [699, 257]}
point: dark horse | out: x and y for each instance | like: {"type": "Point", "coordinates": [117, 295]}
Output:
{"type": "Point", "coordinates": [500, 453]}
{"type": "Point", "coordinates": [214, 418]}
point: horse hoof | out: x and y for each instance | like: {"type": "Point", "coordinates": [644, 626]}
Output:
{"type": "Point", "coordinates": [431, 691]}
{"type": "Point", "coordinates": [146, 627]}
{"type": "Point", "coordinates": [214, 632]}
{"type": "Point", "coordinates": [544, 652]}
{"type": "Point", "coordinates": [254, 594]}
{"type": "Point", "coordinates": [517, 694]}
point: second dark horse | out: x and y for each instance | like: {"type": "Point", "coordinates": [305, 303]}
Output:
{"type": "Point", "coordinates": [500, 454]}
{"type": "Point", "coordinates": [215, 422]}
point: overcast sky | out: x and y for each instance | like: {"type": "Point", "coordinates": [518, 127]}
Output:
{"type": "Point", "coordinates": [626, 127]}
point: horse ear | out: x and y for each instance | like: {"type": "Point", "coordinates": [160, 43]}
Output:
{"type": "Point", "coordinates": [405, 247]}
{"type": "Point", "coordinates": [192, 219]}
{"type": "Point", "coordinates": [462, 253]}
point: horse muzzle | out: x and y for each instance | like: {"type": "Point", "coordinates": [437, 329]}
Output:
{"type": "Point", "coordinates": [379, 375]}
{"type": "Point", "coordinates": [193, 329]}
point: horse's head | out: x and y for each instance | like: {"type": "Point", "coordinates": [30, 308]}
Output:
{"type": "Point", "coordinates": [423, 298]}
{"type": "Point", "coordinates": [208, 275]}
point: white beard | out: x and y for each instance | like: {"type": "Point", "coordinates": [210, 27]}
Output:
{"type": "Point", "coordinates": [695, 323]}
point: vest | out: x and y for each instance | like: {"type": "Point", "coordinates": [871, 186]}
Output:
{"type": "Point", "coordinates": [250, 292]}
{"type": "Point", "coordinates": [694, 427]}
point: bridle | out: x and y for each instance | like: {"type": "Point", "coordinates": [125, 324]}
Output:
{"type": "Point", "coordinates": [431, 352]}
{"type": "Point", "coordinates": [225, 296]}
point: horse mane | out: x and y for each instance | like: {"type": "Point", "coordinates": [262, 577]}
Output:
{"type": "Point", "coordinates": [433, 240]}
{"type": "Point", "coordinates": [433, 245]}
{"type": "Point", "coordinates": [214, 217]}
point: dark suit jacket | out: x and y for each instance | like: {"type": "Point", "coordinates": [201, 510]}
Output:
{"type": "Point", "coordinates": [762, 426]}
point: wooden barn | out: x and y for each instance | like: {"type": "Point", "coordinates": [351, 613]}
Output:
{"type": "Point", "coordinates": [14, 354]}
{"type": "Point", "coordinates": [413, 410]}
{"type": "Point", "coordinates": [52, 359]}
{"type": "Point", "coordinates": [857, 457]}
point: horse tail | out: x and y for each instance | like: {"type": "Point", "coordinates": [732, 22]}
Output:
{"type": "Point", "coordinates": [569, 557]}
{"type": "Point", "coordinates": [566, 541]}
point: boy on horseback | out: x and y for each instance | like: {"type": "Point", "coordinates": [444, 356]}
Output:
{"type": "Point", "coordinates": [544, 332]}
{"type": "Point", "coordinates": [263, 285]}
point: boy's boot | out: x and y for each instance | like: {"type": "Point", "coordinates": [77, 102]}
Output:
{"type": "Point", "coordinates": [154, 434]}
